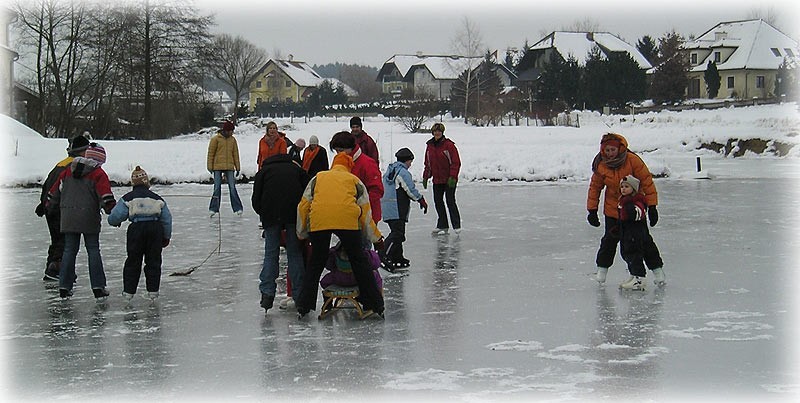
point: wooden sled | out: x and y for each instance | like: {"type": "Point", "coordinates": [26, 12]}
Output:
{"type": "Point", "coordinates": [335, 297]}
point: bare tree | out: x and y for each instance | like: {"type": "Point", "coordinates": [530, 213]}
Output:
{"type": "Point", "coordinates": [585, 25]}
{"type": "Point", "coordinates": [56, 33]}
{"type": "Point", "coordinates": [769, 14]}
{"type": "Point", "coordinates": [237, 62]}
{"type": "Point", "coordinates": [467, 42]}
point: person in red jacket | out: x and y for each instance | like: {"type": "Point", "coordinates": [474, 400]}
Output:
{"type": "Point", "coordinates": [364, 167]}
{"type": "Point", "coordinates": [364, 141]}
{"type": "Point", "coordinates": [442, 163]}
{"type": "Point", "coordinates": [612, 163]}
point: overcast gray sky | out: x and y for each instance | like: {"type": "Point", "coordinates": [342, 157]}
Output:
{"type": "Point", "coordinates": [370, 32]}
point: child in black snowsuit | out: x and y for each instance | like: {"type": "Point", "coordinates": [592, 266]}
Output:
{"type": "Point", "coordinates": [633, 231]}
{"type": "Point", "coordinates": [149, 232]}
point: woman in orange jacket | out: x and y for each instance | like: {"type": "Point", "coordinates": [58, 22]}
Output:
{"type": "Point", "coordinates": [610, 165]}
{"type": "Point", "coordinates": [271, 144]}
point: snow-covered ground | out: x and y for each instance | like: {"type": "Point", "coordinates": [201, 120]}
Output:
{"type": "Point", "coordinates": [668, 141]}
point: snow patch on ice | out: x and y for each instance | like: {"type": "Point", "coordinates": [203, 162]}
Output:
{"type": "Point", "coordinates": [733, 315]}
{"type": "Point", "coordinates": [515, 345]}
{"type": "Point", "coordinates": [570, 347]}
{"type": "Point", "coordinates": [612, 346]}
{"type": "Point", "coordinates": [683, 334]}
{"type": "Point", "coordinates": [560, 357]}
{"type": "Point", "coordinates": [793, 388]}
{"type": "Point", "coordinates": [751, 338]}
{"type": "Point", "coordinates": [431, 379]}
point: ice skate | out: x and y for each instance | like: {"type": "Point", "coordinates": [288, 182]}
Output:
{"type": "Point", "coordinates": [633, 283]}
{"type": "Point", "coordinates": [439, 231]}
{"type": "Point", "coordinates": [127, 297]}
{"type": "Point", "coordinates": [211, 214]}
{"type": "Point", "coordinates": [601, 274]}
{"type": "Point", "coordinates": [267, 301]}
{"type": "Point", "coordinates": [100, 295]}
{"type": "Point", "coordinates": [51, 272]}
{"type": "Point", "coordinates": [64, 293]}
{"type": "Point", "coordinates": [659, 278]}
{"type": "Point", "coordinates": [286, 303]}
{"type": "Point", "coordinates": [152, 296]}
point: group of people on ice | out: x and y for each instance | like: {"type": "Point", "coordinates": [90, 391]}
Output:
{"type": "Point", "coordinates": [302, 202]}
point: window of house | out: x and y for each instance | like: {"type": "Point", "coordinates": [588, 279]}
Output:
{"type": "Point", "coordinates": [730, 82]}
{"type": "Point", "coordinates": [258, 100]}
{"type": "Point", "coordinates": [776, 52]}
{"type": "Point", "coordinates": [760, 82]}
{"type": "Point", "coordinates": [288, 83]}
{"type": "Point", "coordinates": [717, 57]}
{"type": "Point", "coordinates": [258, 84]}
{"type": "Point", "coordinates": [789, 52]}
{"type": "Point", "coordinates": [694, 58]}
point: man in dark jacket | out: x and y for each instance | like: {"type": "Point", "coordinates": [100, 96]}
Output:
{"type": "Point", "coordinates": [364, 141]}
{"type": "Point", "coordinates": [277, 190]}
{"type": "Point", "coordinates": [77, 146]}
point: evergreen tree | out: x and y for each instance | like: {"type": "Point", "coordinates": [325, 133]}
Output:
{"type": "Point", "coordinates": [713, 80]}
{"type": "Point", "coordinates": [648, 48]}
{"type": "Point", "coordinates": [786, 81]}
{"type": "Point", "coordinates": [571, 74]}
{"type": "Point", "coordinates": [626, 80]}
{"type": "Point", "coordinates": [670, 78]}
{"type": "Point", "coordinates": [595, 80]}
{"type": "Point", "coordinates": [548, 88]}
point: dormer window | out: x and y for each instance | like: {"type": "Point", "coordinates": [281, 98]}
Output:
{"type": "Point", "coordinates": [694, 58]}
{"type": "Point", "coordinates": [717, 57]}
{"type": "Point", "coordinates": [776, 52]}
{"type": "Point", "coordinates": [789, 52]}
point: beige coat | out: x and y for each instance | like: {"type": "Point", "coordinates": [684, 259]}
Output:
{"type": "Point", "coordinates": [223, 154]}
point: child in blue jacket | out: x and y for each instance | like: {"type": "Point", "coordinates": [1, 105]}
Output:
{"type": "Point", "coordinates": [399, 190]}
{"type": "Point", "coordinates": [149, 232]}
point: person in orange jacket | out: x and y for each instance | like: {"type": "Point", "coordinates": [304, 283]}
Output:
{"type": "Point", "coordinates": [613, 163]}
{"type": "Point", "coordinates": [272, 143]}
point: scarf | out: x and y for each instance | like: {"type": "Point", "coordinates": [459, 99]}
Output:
{"type": "Point", "coordinates": [613, 163]}
{"type": "Point", "coordinates": [308, 157]}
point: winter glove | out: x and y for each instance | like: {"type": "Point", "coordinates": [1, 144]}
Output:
{"type": "Point", "coordinates": [423, 205]}
{"type": "Point", "coordinates": [652, 214]}
{"type": "Point", "coordinates": [592, 218]}
{"type": "Point", "coordinates": [211, 172]}
{"type": "Point", "coordinates": [379, 246]}
{"type": "Point", "coordinates": [237, 173]}
{"type": "Point", "coordinates": [164, 243]}
{"type": "Point", "coordinates": [425, 183]}
{"type": "Point", "coordinates": [40, 210]}
{"type": "Point", "coordinates": [451, 182]}
{"type": "Point", "coordinates": [109, 206]}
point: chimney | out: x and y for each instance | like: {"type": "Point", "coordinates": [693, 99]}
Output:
{"type": "Point", "coordinates": [590, 36]}
{"type": "Point", "coordinates": [291, 57]}
{"type": "Point", "coordinates": [419, 53]}
{"type": "Point", "coordinates": [720, 35]}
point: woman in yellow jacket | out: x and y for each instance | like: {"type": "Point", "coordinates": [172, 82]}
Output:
{"type": "Point", "coordinates": [337, 202]}
{"type": "Point", "coordinates": [610, 165]}
{"type": "Point", "coordinates": [223, 157]}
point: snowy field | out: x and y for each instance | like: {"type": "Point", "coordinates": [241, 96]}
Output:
{"type": "Point", "coordinates": [508, 311]}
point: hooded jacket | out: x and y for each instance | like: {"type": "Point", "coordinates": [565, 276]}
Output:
{"type": "Point", "coordinates": [399, 190]}
{"type": "Point", "coordinates": [223, 154]}
{"type": "Point", "coordinates": [140, 205]}
{"type": "Point", "coordinates": [277, 190]}
{"type": "Point", "coordinates": [609, 178]}
{"type": "Point", "coordinates": [265, 151]}
{"type": "Point", "coordinates": [366, 169]}
{"type": "Point", "coordinates": [441, 160]}
{"type": "Point", "coordinates": [79, 193]}
{"type": "Point", "coordinates": [336, 199]}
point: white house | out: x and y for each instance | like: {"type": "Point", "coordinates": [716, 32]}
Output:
{"type": "Point", "coordinates": [747, 55]}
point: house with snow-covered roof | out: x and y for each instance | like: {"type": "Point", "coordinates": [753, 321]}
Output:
{"type": "Point", "coordinates": [431, 75]}
{"type": "Point", "coordinates": [577, 45]}
{"type": "Point", "coordinates": [747, 55]}
{"type": "Point", "coordinates": [288, 80]}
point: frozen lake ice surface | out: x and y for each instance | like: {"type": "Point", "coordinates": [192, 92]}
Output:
{"type": "Point", "coordinates": [506, 311]}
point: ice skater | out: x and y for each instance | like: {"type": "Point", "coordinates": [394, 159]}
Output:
{"type": "Point", "coordinates": [149, 232]}
{"type": "Point", "coordinates": [443, 164]}
{"type": "Point", "coordinates": [610, 165]}
{"type": "Point", "coordinates": [77, 146]}
{"type": "Point", "coordinates": [396, 205]}
{"type": "Point", "coordinates": [223, 158]}
{"type": "Point", "coordinates": [633, 232]}
{"type": "Point", "coordinates": [80, 192]}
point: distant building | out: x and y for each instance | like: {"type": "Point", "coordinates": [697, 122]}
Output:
{"type": "Point", "coordinates": [747, 54]}
{"type": "Point", "coordinates": [7, 58]}
{"type": "Point", "coordinates": [287, 80]}
{"type": "Point", "coordinates": [577, 45]}
{"type": "Point", "coordinates": [430, 75]}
